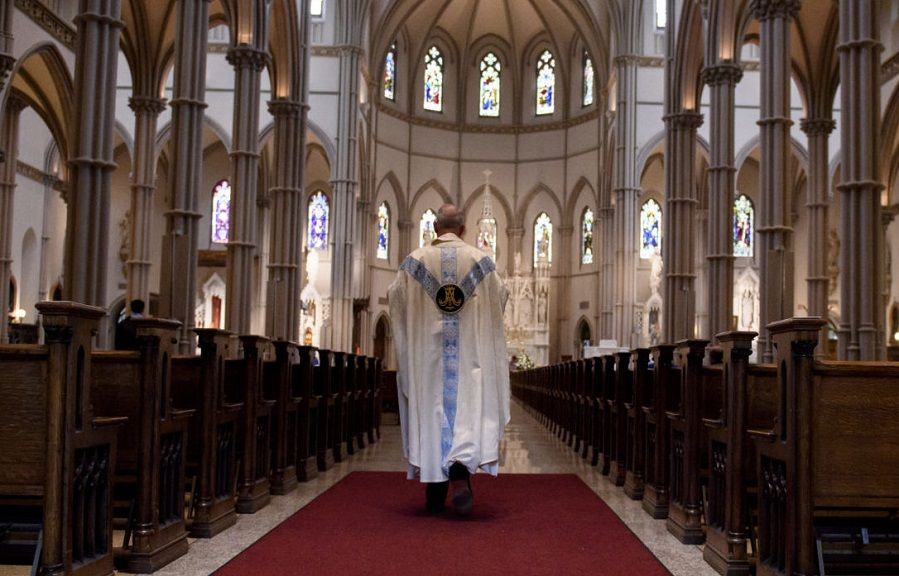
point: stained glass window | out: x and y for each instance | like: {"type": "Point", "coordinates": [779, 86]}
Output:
{"type": "Point", "coordinates": [318, 221]}
{"type": "Point", "coordinates": [546, 84]}
{"type": "Point", "coordinates": [543, 239]}
{"type": "Point", "coordinates": [221, 212]}
{"type": "Point", "coordinates": [587, 237]}
{"type": "Point", "coordinates": [650, 229]}
{"type": "Point", "coordinates": [661, 13]}
{"type": "Point", "coordinates": [487, 236]}
{"type": "Point", "coordinates": [433, 80]}
{"type": "Point", "coordinates": [426, 228]}
{"type": "Point", "coordinates": [390, 73]}
{"type": "Point", "coordinates": [589, 80]}
{"type": "Point", "coordinates": [317, 7]}
{"type": "Point", "coordinates": [490, 70]}
{"type": "Point", "coordinates": [744, 215]}
{"type": "Point", "coordinates": [383, 231]}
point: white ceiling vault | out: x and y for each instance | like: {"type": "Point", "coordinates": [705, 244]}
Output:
{"type": "Point", "coordinates": [514, 26]}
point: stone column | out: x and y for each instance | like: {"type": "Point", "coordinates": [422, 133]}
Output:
{"type": "Point", "coordinates": [143, 186]}
{"type": "Point", "coordinates": [818, 131]}
{"type": "Point", "coordinates": [861, 263]}
{"type": "Point", "coordinates": [626, 191]}
{"type": "Point", "coordinates": [90, 154]}
{"type": "Point", "coordinates": [10, 150]}
{"type": "Point", "coordinates": [607, 265]}
{"type": "Point", "coordinates": [343, 204]}
{"type": "Point", "coordinates": [248, 63]}
{"type": "Point", "coordinates": [7, 61]}
{"type": "Point", "coordinates": [564, 303]}
{"type": "Point", "coordinates": [679, 217]}
{"type": "Point", "coordinates": [722, 79]}
{"type": "Point", "coordinates": [774, 230]}
{"type": "Point", "coordinates": [282, 316]}
{"type": "Point", "coordinates": [178, 282]}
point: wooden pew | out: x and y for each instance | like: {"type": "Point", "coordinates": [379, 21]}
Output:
{"type": "Point", "coordinates": [56, 457]}
{"type": "Point", "coordinates": [244, 379]}
{"type": "Point", "coordinates": [833, 449]}
{"type": "Point", "coordinates": [339, 374]}
{"type": "Point", "coordinates": [355, 410]}
{"type": "Point", "coordinates": [286, 391]}
{"type": "Point", "coordinates": [748, 402]}
{"type": "Point", "coordinates": [688, 442]}
{"type": "Point", "coordinates": [326, 399]}
{"type": "Point", "coordinates": [586, 407]}
{"type": "Point", "coordinates": [636, 425]}
{"type": "Point", "coordinates": [149, 472]}
{"type": "Point", "coordinates": [655, 490]}
{"type": "Point", "coordinates": [593, 376]}
{"type": "Point", "coordinates": [307, 415]}
{"type": "Point", "coordinates": [606, 374]}
{"type": "Point", "coordinates": [372, 404]}
{"type": "Point", "coordinates": [620, 392]}
{"type": "Point", "coordinates": [198, 382]}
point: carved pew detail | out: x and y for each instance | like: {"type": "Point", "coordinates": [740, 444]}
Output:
{"type": "Point", "coordinates": [623, 382]}
{"type": "Point", "coordinates": [636, 425]}
{"type": "Point", "coordinates": [150, 459]}
{"type": "Point", "coordinates": [307, 416]}
{"type": "Point", "coordinates": [244, 375]}
{"type": "Point", "coordinates": [281, 386]}
{"type": "Point", "coordinates": [655, 493]}
{"type": "Point", "coordinates": [54, 453]}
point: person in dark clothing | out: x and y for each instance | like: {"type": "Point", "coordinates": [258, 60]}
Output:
{"type": "Point", "coordinates": [125, 332]}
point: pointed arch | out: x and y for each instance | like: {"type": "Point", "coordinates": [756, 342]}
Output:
{"type": "Point", "coordinates": [431, 184]}
{"type": "Point", "coordinates": [540, 188]}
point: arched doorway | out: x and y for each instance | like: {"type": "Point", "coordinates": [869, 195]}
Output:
{"type": "Point", "coordinates": [584, 336]}
{"type": "Point", "coordinates": [382, 340]}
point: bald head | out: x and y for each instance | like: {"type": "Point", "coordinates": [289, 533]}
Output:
{"type": "Point", "coordinates": [449, 220]}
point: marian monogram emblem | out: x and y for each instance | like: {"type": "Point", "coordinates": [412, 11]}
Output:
{"type": "Point", "coordinates": [450, 298]}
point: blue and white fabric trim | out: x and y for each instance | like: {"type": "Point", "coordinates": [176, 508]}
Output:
{"type": "Point", "coordinates": [448, 264]}
{"type": "Point", "coordinates": [449, 275]}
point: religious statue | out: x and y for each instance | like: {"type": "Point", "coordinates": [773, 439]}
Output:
{"type": "Point", "coordinates": [655, 274]}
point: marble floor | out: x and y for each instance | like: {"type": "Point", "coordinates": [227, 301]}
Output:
{"type": "Point", "coordinates": [527, 448]}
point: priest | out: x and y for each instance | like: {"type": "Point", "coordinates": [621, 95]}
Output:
{"type": "Point", "coordinates": [446, 306]}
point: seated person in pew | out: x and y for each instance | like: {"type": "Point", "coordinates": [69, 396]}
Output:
{"type": "Point", "coordinates": [125, 332]}
{"type": "Point", "coordinates": [453, 379]}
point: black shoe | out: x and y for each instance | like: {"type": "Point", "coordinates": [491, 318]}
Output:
{"type": "Point", "coordinates": [463, 499]}
{"type": "Point", "coordinates": [435, 496]}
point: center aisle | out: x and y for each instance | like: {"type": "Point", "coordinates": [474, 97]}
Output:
{"type": "Point", "coordinates": [527, 449]}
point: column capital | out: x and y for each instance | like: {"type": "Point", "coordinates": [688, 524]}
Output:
{"type": "Point", "coordinates": [626, 59]}
{"type": "Point", "coordinates": [774, 9]}
{"type": "Point", "coordinates": [15, 103]}
{"type": "Point", "coordinates": [404, 225]}
{"type": "Point", "coordinates": [724, 73]}
{"type": "Point", "coordinates": [285, 107]}
{"type": "Point", "coordinates": [817, 126]}
{"type": "Point", "coordinates": [245, 56]}
{"type": "Point", "coordinates": [684, 120]}
{"type": "Point", "coordinates": [147, 104]}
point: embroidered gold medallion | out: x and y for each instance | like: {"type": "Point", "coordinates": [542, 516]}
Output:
{"type": "Point", "coordinates": [450, 298]}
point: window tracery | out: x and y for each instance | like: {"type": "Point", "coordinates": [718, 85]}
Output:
{"type": "Point", "coordinates": [433, 92]}
{"type": "Point", "coordinates": [587, 237]}
{"type": "Point", "coordinates": [383, 231]}
{"type": "Point", "coordinates": [318, 221]}
{"type": "Point", "coordinates": [650, 229]}
{"type": "Point", "coordinates": [426, 233]}
{"type": "Point", "coordinates": [546, 84]}
{"type": "Point", "coordinates": [744, 217]}
{"type": "Point", "coordinates": [490, 85]}
{"type": "Point", "coordinates": [221, 212]}
{"type": "Point", "coordinates": [543, 239]}
{"type": "Point", "coordinates": [390, 73]}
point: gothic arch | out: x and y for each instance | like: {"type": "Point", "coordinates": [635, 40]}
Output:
{"type": "Point", "coordinates": [162, 138]}
{"type": "Point", "coordinates": [436, 186]}
{"type": "Point", "coordinates": [649, 150]}
{"type": "Point", "coordinates": [575, 205]}
{"type": "Point", "coordinates": [51, 102]}
{"type": "Point", "coordinates": [495, 194]}
{"type": "Point", "coordinates": [399, 198]}
{"type": "Point", "coordinates": [529, 198]}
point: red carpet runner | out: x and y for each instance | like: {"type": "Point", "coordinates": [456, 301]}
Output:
{"type": "Point", "coordinates": [375, 523]}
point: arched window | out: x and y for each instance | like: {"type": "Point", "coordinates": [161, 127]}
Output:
{"type": "Point", "coordinates": [587, 237]}
{"type": "Point", "coordinates": [383, 231]}
{"type": "Point", "coordinates": [650, 229]}
{"type": "Point", "coordinates": [390, 73]}
{"type": "Point", "coordinates": [744, 217]}
{"type": "Point", "coordinates": [487, 236]}
{"type": "Point", "coordinates": [221, 212]}
{"type": "Point", "coordinates": [433, 96]}
{"type": "Point", "coordinates": [426, 233]}
{"type": "Point", "coordinates": [589, 80]}
{"type": "Point", "coordinates": [318, 222]}
{"type": "Point", "coordinates": [543, 239]}
{"type": "Point", "coordinates": [490, 82]}
{"type": "Point", "coordinates": [546, 84]}
{"type": "Point", "coordinates": [661, 14]}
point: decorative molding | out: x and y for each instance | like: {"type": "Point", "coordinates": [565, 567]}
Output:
{"type": "Point", "coordinates": [49, 21]}
{"type": "Point", "coordinates": [890, 69]}
{"type": "Point", "coordinates": [218, 47]}
{"type": "Point", "coordinates": [484, 129]}
{"type": "Point", "coordinates": [38, 175]}
{"type": "Point", "coordinates": [212, 258]}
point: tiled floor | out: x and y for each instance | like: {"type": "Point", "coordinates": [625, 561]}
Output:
{"type": "Point", "coordinates": [527, 448]}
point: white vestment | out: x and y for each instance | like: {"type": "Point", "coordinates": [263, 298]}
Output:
{"type": "Point", "coordinates": [453, 376]}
